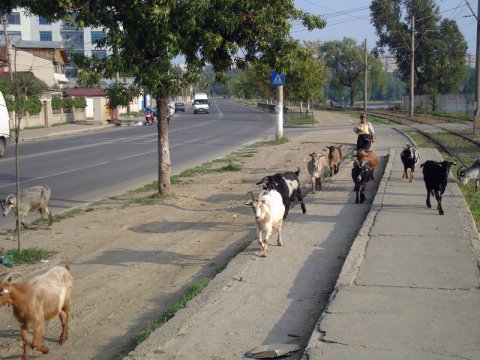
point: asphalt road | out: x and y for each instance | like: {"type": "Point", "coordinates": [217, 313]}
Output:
{"type": "Point", "coordinates": [85, 168]}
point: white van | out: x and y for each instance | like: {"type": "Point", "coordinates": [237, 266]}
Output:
{"type": "Point", "coordinates": [201, 103]}
{"type": "Point", "coordinates": [4, 126]}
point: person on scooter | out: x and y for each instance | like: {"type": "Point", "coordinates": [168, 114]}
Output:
{"type": "Point", "coordinates": [365, 132]}
{"type": "Point", "coordinates": [148, 116]}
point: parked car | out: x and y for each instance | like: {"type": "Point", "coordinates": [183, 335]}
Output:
{"type": "Point", "coordinates": [171, 109]}
{"type": "Point", "coordinates": [179, 106]}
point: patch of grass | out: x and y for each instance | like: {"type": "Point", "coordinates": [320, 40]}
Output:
{"type": "Point", "coordinates": [29, 255]}
{"type": "Point", "coordinates": [300, 119]}
{"type": "Point", "coordinates": [230, 167]}
{"type": "Point", "coordinates": [193, 291]}
{"type": "Point", "coordinates": [150, 200]}
{"type": "Point", "coordinates": [153, 186]}
{"type": "Point", "coordinates": [66, 215]}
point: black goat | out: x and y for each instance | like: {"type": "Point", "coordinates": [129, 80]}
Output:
{"type": "Point", "coordinates": [361, 174]}
{"type": "Point", "coordinates": [288, 185]}
{"type": "Point", "coordinates": [410, 157]}
{"type": "Point", "coordinates": [435, 175]}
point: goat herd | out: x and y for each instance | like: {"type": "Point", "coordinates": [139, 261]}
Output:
{"type": "Point", "coordinates": [49, 295]}
{"type": "Point", "coordinates": [272, 204]}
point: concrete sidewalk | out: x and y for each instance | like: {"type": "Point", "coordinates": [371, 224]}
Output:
{"type": "Point", "coordinates": [409, 288]}
{"type": "Point", "coordinates": [60, 130]}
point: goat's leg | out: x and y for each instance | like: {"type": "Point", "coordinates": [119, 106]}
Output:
{"type": "Point", "coordinates": [50, 218]}
{"type": "Point", "coordinates": [300, 199]}
{"type": "Point", "coordinates": [64, 316]}
{"type": "Point", "coordinates": [279, 238]}
{"type": "Point", "coordinates": [24, 332]}
{"type": "Point", "coordinates": [477, 183]}
{"type": "Point", "coordinates": [319, 181]}
{"type": "Point", "coordinates": [362, 195]}
{"type": "Point", "coordinates": [263, 240]}
{"type": "Point", "coordinates": [429, 204]}
{"type": "Point", "coordinates": [37, 338]}
{"type": "Point", "coordinates": [314, 185]}
{"type": "Point", "coordinates": [438, 196]}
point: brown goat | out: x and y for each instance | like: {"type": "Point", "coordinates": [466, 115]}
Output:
{"type": "Point", "coordinates": [371, 157]}
{"type": "Point", "coordinates": [334, 158]}
{"type": "Point", "coordinates": [39, 299]}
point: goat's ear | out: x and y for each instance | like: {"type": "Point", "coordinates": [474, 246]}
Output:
{"type": "Point", "coordinates": [248, 203]}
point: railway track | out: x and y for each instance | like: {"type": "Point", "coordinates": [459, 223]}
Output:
{"type": "Point", "coordinates": [463, 148]}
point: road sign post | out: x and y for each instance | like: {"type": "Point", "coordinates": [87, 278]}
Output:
{"type": "Point", "coordinates": [278, 80]}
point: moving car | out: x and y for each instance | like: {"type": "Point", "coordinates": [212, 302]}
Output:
{"type": "Point", "coordinates": [179, 106]}
{"type": "Point", "coordinates": [201, 103]}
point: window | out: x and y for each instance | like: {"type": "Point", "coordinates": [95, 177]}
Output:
{"type": "Point", "coordinates": [99, 54]}
{"type": "Point", "coordinates": [43, 21]}
{"type": "Point", "coordinates": [13, 35]}
{"type": "Point", "coordinates": [97, 36]}
{"type": "Point", "coordinates": [67, 26]}
{"type": "Point", "coordinates": [72, 39]}
{"type": "Point", "coordinates": [45, 36]}
{"type": "Point", "coordinates": [70, 71]}
{"type": "Point", "coordinates": [14, 18]}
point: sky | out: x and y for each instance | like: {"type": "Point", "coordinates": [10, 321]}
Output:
{"type": "Point", "coordinates": [351, 18]}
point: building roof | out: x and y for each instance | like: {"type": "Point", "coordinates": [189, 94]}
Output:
{"type": "Point", "coordinates": [79, 91]}
{"type": "Point", "coordinates": [30, 44]}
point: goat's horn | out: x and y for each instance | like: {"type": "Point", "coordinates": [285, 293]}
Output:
{"type": "Point", "coordinates": [251, 194]}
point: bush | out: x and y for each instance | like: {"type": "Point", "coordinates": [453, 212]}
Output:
{"type": "Point", "coordinates": [67, 103]}
{"type": "Point", "coordinates": [33, 106]}
{"type": "Point", "coordinates": [79, 102]}
{"type": "Point", "coordinates": [57, 103]}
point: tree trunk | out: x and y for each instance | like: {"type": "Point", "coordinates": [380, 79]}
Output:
{"type": "Point", "coordinates": [352, 97]}
{"type": "Point", "coordinates": [164, 164]}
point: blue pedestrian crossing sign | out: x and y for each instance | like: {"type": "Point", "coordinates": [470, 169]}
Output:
{"type": "Point", "coordinates": [278, 79]}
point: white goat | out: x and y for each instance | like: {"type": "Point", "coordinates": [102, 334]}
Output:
{"type": "Point", "coordinates": [317, 166]}
{"type": "Point", "coordinates": [37, 300]}
{"type": "Point", "coordinates": [32, 199]}
{"type": "Point", "coordinates": [269, 211]}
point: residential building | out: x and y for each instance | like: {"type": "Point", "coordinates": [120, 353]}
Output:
{"type": "Point", "coordinates": [389, 63]}
{"type": "Point", "coordinates": [46, 60]}
{"type": "Point", "coordinates": [23, 26]}
{"type": "Point", "coordinates": [470, 60]}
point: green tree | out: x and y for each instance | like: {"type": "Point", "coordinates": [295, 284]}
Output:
{"type": "Point", "coordinates": [145, 37]}
{"type": "Point", "coordinates": [346, 61]}
{"type": "Point", "coordinates": [439, 45]}
{"type": "Point", "coordinates": [305, 77]}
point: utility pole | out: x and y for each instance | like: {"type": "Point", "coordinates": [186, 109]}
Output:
{"type": "Point", "coordinates": [476, 116]}
{"type": "Point", "coordinates": [365, 89]}
{"type": "Point", "coordinates": [7, 45]}
{"type": "Point", "coordinates": [412, 68]}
